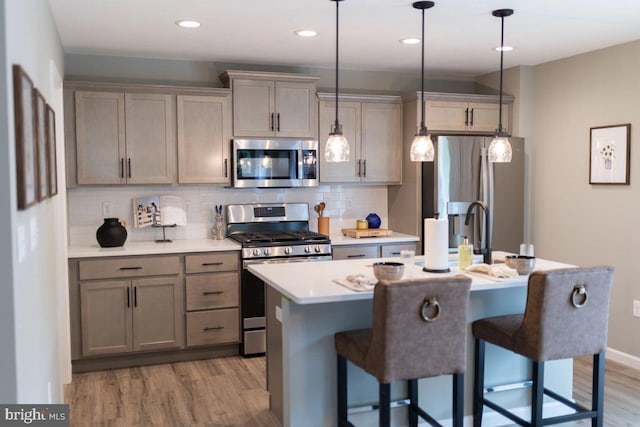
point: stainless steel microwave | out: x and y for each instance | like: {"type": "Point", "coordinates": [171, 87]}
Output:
{"type": "Point", "coordinates": [268, 163]}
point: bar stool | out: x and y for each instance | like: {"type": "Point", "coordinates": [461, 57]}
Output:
{"type": "Point", "coordinates": [565, 317]}
{"type": "Point", "coordinates": [418, 331]}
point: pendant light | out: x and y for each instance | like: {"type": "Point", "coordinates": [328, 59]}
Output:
{"type": "Point", "coordinates": [337, 148]}
{"type": "Point", "coordinates": [422, 147]}
{"type": "Point", "coordinates": [500, 147]}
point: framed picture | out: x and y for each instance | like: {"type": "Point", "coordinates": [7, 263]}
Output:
{"type": "Point", "coordinates": [26, 153]}
{"type": "Point", "coordinates": [51, 152]}
{"type": "Point", "coordinates": [41, 144]}
{"type": "Point", "coordinates": [609, 154]}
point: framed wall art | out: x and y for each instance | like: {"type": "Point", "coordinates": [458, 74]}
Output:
{"type": "Point", "coordinates": [51, 152]}
{"type": "Point", "coordinates": [26, 150]}
{"type": "Point", "coordinates": [41, 144]}
{"type": "Point", "coordinates": [610, 148]}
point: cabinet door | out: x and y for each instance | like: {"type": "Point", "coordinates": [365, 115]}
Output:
{"type": "Point", "coordinates": [485, 117]}
{"type": "Point", "coordinates": [151, 138]}
{"type": "Point", "coordinates": [158, 313]}
{"type": "Point", "coordinates": [203, 139]}
{"type": "Point", "coordinates": [295, 109]}
{"type": "Point", "coordinates": [105, 313]}
{"type": "Point", "coordinates": [349, 116]}
{"type": "Point", "coordinates": [382, 143]}
{"type": "Point", "coordinates": [445, 115]}
{"type": "Point", "coordinates": [356, 252]}
{"type": "Point", "coordinates": [393, 250]}
{"type": "Point", "coordinates": [100, 138]}
{"type": "Point", "coordinates": [253, 108]}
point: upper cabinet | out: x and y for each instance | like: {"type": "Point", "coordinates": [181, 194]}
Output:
{"type": "Point", "coordinates": [373, 128]}
{"type": "Point", "coordinates": [272, 104]}
{"type": "Point", "coordinates": [466, 113]}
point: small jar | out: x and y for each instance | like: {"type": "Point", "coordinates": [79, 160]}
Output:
{"type": "Point", "coordinates": [465, 254]}
{"type": "Point", "coordinates": [362, 224]}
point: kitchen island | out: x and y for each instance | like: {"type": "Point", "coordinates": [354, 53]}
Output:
{"type": "Point", "coordinates": [305, 307]}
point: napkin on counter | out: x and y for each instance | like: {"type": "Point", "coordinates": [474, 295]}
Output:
{"type": "Point", "coordinates": [501, 271]}
{"type": "Point", "coordinates": [357, 282]}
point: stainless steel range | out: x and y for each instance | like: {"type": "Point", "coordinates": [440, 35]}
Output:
{"type": "Point", "coordinates": [269, 233]}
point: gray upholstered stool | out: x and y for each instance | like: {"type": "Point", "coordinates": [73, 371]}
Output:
{"type": "Point", "coordinates": [565, 317]}
{"type": "Point", "coordinates": [418, 331]}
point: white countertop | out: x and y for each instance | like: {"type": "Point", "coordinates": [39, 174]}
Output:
{"type": "Point", "coordinates": [340, 240]}
{"type": "Point", "coordinates": [312, 282]}
{"type": "Point", "coordinates": [153, 248]}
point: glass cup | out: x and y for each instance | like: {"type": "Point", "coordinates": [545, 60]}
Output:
{"type": "Point", "coordinates": [526, 249]}
{"type": "Point", "coordinates": [407, 257]}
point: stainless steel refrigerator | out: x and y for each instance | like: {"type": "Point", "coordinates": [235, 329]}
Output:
{"type": "Point", "coordinates": [462, 174]}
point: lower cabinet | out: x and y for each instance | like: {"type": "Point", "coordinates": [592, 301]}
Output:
{"type": "Point", "coordinates": [123, 316]}
{"type": "Point", "coordinates": [371, 250]}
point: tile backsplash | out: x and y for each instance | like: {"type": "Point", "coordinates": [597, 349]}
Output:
{"type": "Point", "coordinates": [345, 204]}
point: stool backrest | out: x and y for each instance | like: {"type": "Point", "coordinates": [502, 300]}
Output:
{"type": "Point", "coordinates": [566, 314]}
{"type": "Point", "coordinates": [403, 344]}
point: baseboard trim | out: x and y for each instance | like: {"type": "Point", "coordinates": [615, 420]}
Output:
{"type": "Point", "coordinates": [623, 358]}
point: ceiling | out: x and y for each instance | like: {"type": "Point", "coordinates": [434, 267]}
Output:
{"type": "Point", "coordinates": [460, 34]}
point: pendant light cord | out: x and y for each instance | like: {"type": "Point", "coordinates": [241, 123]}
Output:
{"type": "Point", "coordinates": [337, 123]}
{"type": "Point", "coordinates": [422, 125]}
{"type": "Point", "coordinates": [501, 67]}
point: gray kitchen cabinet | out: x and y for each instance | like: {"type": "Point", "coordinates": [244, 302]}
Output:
{"type": "Point", "coordinates": [272, 104]}
{"type": "Point", "coordinates": [204, 134]}
{"type": "Point", "coordinates": [388, 250]}
{"type": "Point", "coordinates": [124, 138]}
{"type": "Point", "coordinates": [131, 315]}
{"type": "Point", "coordinates": [373, 127]}
{"type": "Point", "coordinates": [393, 250]}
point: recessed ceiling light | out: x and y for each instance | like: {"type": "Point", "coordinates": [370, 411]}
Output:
{"type": "Point", "coordinates": [185, 23]}
{"type": "Point", "coordinates": [306, 33]}
{"type": "Point", "coordinates": [410, 41]}
{"type": "Point", "coordinates": [503, 48]}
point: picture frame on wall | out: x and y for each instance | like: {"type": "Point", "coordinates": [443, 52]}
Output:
{"type": "Point", "coordinates": [609, 155]}
{"type": "Point", "coordinates": [51, 151]}
{"type": "Point", "coordinates": [26, 149]}
{"type": "Point", "coordinates": [41, 144]}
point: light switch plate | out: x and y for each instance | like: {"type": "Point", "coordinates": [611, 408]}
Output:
{"type": "Point", "coordinates": [107, 209]}
{"type": "Point", "coordinates": [636, 308]}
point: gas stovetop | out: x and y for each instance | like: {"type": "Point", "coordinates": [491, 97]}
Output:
{"type": "Point", "coordinates": [277, 238]}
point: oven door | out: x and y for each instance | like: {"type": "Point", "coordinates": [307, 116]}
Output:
{"type": "Point", "coordinates": [252, 309]}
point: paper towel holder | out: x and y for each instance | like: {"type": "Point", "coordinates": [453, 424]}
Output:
{"type": "Point", "coordinates": [436, 215]}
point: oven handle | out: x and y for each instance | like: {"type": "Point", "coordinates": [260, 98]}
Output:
{"type": "Point", "coordinates": [248, 262]}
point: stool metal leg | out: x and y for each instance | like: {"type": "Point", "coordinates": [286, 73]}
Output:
{"type": "Point", "coordinates": [385, 405]}
{"type": "Point", "coordinates": [458, 400]}
{"type": "Point", "coordinates": [413, 402]}
{"type": "Point", "coordinates": [342, 391]}
{"type": "Point", "coordinates": [597, 390]}
{"type": "Point", "coordinates": [537, 393]}
{"type": "Point", "coordinates": [478, 382]}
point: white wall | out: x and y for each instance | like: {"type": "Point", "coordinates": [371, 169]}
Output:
{"type": "Point", "coordinates": [573, 221]}
{"type": "Point", "coordinates": [29, 358]}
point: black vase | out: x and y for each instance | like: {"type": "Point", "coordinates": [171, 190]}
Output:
{"type": "Point", "coordinates": [111, 233]}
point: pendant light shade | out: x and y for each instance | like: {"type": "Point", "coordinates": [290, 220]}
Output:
{"type": "Point", "coordinates": [500, 147]}
{"type": "Point", "coordinates": [422, 147]}
{"type": "Point", "coordinates": [337, 147]}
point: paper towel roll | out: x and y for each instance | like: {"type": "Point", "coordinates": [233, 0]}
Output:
{"type": "Point", "coordinates": [436, 245]}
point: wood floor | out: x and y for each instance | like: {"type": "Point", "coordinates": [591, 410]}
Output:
{"type": "Point", "coordinates": [231, 392]}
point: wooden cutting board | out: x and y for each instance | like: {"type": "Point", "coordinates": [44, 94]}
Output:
{"type": "Point", "coordinates": [370, 232]}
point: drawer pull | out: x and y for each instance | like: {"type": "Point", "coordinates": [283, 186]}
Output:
{"type": "Point", "coordinates": [357, 256]}
{"type": "Point", "coordinates": [213, 293]}
{"type": "Point", "coordinates": [215, 328]}
{"type": "Point", "coordinates": [130, 268]}
{"type": "Point", "coordinates": [205, 264]}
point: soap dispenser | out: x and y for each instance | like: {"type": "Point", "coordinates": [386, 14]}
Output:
{"type": "Point", "coordinates": [465, 253]}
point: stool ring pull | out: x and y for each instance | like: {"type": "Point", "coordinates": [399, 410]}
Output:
{"type": "Point", "coordinates": [430, 302]}
{"type": "Point", "coordinates": [582, 291]}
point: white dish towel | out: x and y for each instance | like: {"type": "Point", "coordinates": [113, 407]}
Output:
{"type": "Point", "coordinates": [499, 271]}
{"type": "Point", "coordinates": [357, 282]}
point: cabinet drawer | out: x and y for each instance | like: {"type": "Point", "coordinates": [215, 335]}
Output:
{"type": "Point", "coordinates": [394, 250]}
{"type": "Point", "coordinates": [129, 267]}
{"type": "Point", "coordinates": [212, 291]}
{"type": "Point", "coordinates": [209, 263]}
{"type": "Point", "coordinates": [356, 252]}
{"type": "Point", "coordinates": [213, 327]}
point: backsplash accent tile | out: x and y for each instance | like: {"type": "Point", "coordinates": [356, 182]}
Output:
{"type": "Point", "coordinates": [345, 204]}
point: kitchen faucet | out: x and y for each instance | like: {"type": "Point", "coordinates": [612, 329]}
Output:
{"type": "Point", "coordinates": [486, 252]}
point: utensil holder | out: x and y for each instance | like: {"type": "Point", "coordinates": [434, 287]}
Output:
{"type": "Point", "coordinates": [323, 225]}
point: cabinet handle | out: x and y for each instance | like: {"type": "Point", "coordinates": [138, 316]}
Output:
{"type": "Point", "coordinates": [205, 264]}
{"type": "Point", "coordinates": [135, 296]}
{"type": "Point", "coordinates": [128, 298]}
{"type": "Point", "coordinates": [357, 256]}
{"type": "Point", "coordinates": [272, 122]}
{"type": "Point", "coordinates": [122, 167]}
{"type": "Point", "coordinates": [364, 168]}
{"type": "Point", "coordinates": [215, 328]}
{"type": "Point", "coordinates": [130, 268]}
{"type": "Point", "coordinates": [466, 117]}
{"type": "Point", "coordinates": [226, 173]}
{"type": "Point", "coordinates": [471, 117]}
{"type": "Point", "coordinates": [395, 253]}
{"type": "Point", "coordinates": [278, 122]}
{"type": "Point", "coordinates": [358, 171]}
{"type": "Point", "coordinates": [213, 293]}
{"type": "Point", "coordinates": [129, 167]}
